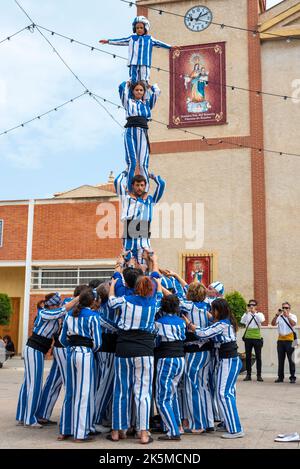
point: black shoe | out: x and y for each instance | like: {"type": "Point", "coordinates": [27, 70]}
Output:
{"type": "Point", "coordinates": [278, 380]}
{"type": "Point", "coordinates": [259, 378]}
{"type": "Point", "coordinates": [169, 438]}
{"type": "Point", "coordinates": [293, 379]}
{"type": "Point", "coordinates": [210, 429]}
{"type": "Point", "coordinates": [248, 378]}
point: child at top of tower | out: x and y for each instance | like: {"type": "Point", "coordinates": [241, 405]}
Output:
{"type": "Point", "coordinates": [138, 100]}
{"type": "Point", "coordinates": [140, 48]}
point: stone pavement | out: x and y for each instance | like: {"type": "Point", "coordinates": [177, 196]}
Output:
{"type": "Point", "coordinates": [265, 409]}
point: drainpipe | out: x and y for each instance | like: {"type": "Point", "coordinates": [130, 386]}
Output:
{"type": "Point", "coordinates": [28, 272]}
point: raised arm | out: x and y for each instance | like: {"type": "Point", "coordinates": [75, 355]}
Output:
{"type": "Point", "coordinates": [154, 94]}
{"type": "Point", "coordinates": [52, 314]}
{"type": "Point", "coordinates": [123, 41]}
{"type": "Point", "coordinates": [121, 184]}
{"type": "Point", "coordinates": [124, 94]}
{"type": "Point", "coordinates": [160, 187]}
{"type": "Point", "coordinates": [157, 43]}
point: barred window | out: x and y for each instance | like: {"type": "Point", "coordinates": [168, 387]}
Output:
{"type": "Point", "coordinates": [61, 278]}
{"type": "Point", "coordinates": [1, 233]}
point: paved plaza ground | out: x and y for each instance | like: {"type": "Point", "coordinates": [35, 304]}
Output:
{"type": "Point", "coordinates": [266, 409]}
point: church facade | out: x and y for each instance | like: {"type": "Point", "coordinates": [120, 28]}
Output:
{"type": "Point", "coordinates": [217, 139]}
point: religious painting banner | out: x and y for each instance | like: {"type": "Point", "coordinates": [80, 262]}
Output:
{"type": "Point", "coordinates": [198, 267]}
{"type": "Point", "coordinates": [197, 85]}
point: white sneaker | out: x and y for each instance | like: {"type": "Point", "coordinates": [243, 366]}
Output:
{"type": "Point", "coordinates": [288, 437]}
{"type": "Point", "coordinates": [34, 425]}
{"type": "Point", "coordinates": [102, 429]}
{"type": "Point", "coordinates": [231, 436]}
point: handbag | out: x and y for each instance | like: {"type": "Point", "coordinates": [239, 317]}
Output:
{"type": "Point", "coordinates": [261, 339]}
{"type": "Point", "coordinates": [288, 324]}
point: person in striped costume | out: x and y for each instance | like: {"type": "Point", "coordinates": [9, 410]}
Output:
{"type": "Point", "coordinates": [81, 334]}
{"type": "Point", "coordinates": [223, 331]}
{"type": "Point", "coordinates": [137, 212]}
{"type": "Point", "coordinates": [140, 45]}
{"type": "Point", "coordinates": [169, 354]}
{"type": "Point", "coordinates": [138, 102]}
{"type": "Point", "coordinates": [46, 324]}
{"type": "Point", "coordinates": [58, 372]}
{"type": "Point", "coordinates": [134, 357]}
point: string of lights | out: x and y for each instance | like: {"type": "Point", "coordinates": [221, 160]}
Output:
{"type": "Point", "coordinates": [185, 131]}
{"type": "Point", "coordinates": [218, 142]}
{"type": "Point", "coordinates": [40, 116]}
{"type": "Point", "coordinates": [68, 67]}
{"type": "Point", "coordinates": [254, 32]}
{"type": "Point", "coordinates": [8, 38]}
{"type": "Point", "coordinates": [159, 69]}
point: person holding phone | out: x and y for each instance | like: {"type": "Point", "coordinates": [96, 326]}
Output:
{"type": "Point", "coordinates": [285, 321]}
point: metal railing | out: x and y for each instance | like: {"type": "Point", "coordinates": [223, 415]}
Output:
{"type": "Point", "coordinates": [49, 279]}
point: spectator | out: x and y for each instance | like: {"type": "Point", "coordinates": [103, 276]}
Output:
{"type": "Point", "coordinates": [2, 352]}
{"type": "Point", "coordinates": [252, 338]}
{"type": "Point", "coordinates": [9, 346]}
{"type": "Point", "coordinates": [285, 321]}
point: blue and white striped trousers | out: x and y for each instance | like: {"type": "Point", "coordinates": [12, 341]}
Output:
{"type": "Point", "coordinates": [136, 152]}
{"type": "Point", "coordinates": [133, 375]}
{"type": "Point", "coordinates": [169, 373]}
{"type": "Point", "coordinates": [139, 73]}
{"type": "Point", "coordinates": [228, 372]}
{"type": "Point", "coordinates": [212, 379]}
{"type": "Point", "coordinates": [31, 390]}
{"type": "Point", "coordinates": [197, 394]}
{"type": "Point", "coordinates": [78, 408]}
{"type": "Point", "coordinates": [104, 393]}
{"type": "Point", "coordinates": [54, 382]}
{"type": "Point", "coordinates": [135, 247]}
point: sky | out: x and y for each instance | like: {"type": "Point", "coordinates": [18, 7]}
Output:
{"type": "Point", "coordinates": [79, 144]}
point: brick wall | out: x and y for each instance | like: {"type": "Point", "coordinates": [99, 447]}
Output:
{"type": "Point", "coordinates": [14, 232]}
{"type": "Point", "coordinates": [68, 231]}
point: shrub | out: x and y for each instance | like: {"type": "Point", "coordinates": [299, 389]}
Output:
{"type": "Point", "coordinates": [5, 309]}
{"type": "Point", "coordinates": [237, 304]}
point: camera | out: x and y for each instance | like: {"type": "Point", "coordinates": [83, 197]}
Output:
{"type": "Point", "coordinates": [280, 310]}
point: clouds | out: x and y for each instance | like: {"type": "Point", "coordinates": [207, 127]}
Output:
{"type": "Point", "coordinates": [33, 80]}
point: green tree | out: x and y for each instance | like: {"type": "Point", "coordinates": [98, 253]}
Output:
{"type": "Point", "coordinates": [237, 304]}
{"type": "Point", "coordinates": [5, 309]}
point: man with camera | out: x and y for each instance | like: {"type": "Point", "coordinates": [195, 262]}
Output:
{"type": "Point", "coordinates": [285, 321]}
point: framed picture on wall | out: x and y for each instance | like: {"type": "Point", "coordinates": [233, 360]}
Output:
{"type": "Point", "coordinates": [199, 265]}
{"type": "Point", "coordinates": [197, 85]}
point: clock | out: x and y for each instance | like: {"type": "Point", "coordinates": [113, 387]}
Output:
{"type": "Point", "coordinates": [198, 18]}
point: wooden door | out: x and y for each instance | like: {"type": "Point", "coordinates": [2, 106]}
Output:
{"type": "Point", "coordinates": [12, 328]}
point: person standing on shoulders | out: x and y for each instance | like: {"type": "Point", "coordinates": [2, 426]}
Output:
{"type": "Point", "coordinates": [286, 321]}
{"type": "Point", "coordinates": [253, 338]}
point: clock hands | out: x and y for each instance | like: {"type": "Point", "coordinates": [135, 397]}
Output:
{"type": "Point", "coordinates": [203, 14]}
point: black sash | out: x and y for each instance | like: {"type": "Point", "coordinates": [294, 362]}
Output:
{"type": "Point", "coordinates": [135, 343]}
{"type": "Point", "coordinates": [78, 340]}
{"type": "Point", "coordinates": [228, 350]}
{"type": "Point", "coordinates": [139, 121]}
{"type": "Point", "coordinates": [40, 343]}
{"type": "Point", "coordinates": [56, 341]}
{"type": "Point", "coordinates": [169, 349]}
{"type": "Point", "coordinates": [134, 229]}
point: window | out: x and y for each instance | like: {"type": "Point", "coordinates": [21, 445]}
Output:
{"type": "Point", "coordinates": [51, 279]}
{"type": "Point", "coordinates": [1, 233]}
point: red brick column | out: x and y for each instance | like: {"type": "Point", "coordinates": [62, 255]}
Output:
{"type": "Point", "coordinates": [257, 164]}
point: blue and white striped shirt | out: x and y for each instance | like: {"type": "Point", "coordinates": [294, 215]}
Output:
{"type": "Point", "coordinates": [138, 107]}
{"type": "Point", "coordinates": [47, 322]}
{"type": "Point", "coordinates": [137, 208]}
{"type": "Point", "coordinates": [107, 317]}
{"type": "Point", "coordinates": [221, 332]}
{"type": "Point", "coordinates": [170, 328]}
{"type": "Point", "coordinates": [139, 48]}
{"type": "Point", "coordinates": [196, 312]}
{"type": "Point", "coordinates": [136, 312]}
{"type": "Point", "coordinates": [87, 324]}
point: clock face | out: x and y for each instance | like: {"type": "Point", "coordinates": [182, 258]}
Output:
{"type": "Point", "coordinates": [198, 18]}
